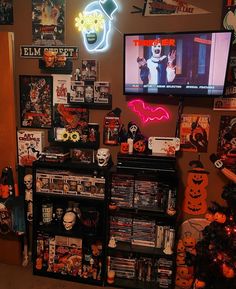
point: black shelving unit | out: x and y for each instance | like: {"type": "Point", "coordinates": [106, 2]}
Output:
{"type": "Point", "coordinates": [78, 254]}
{"type": "Point", "coordinates": [141, 187]}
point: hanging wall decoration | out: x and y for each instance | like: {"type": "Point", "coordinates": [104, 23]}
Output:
{"type": "Point", "coordinates": [36, 101]}
{"type": "Point", "coordinates": [48, 26]}
{"type": "Point", "coordinates": [95, 24]}
{"type": "Point", "coordinates": [148, 113]}
{"type": "Point", "coordinates": [111, 127]}
{"type": "Point", "coordinates": [37, 51]}
{"type": "Point", "coordinates": [171, 7]}
{"type": "Point", "coordinates": [6, 12]}
{"type": "Point", "coordinates": [195, 193]}
{"type": "Point", "coordinates": [229, 17]}
{"type": "Point", "coordinates": [194, 132]}
{"type": "Point", "coordinates": [226, 147]}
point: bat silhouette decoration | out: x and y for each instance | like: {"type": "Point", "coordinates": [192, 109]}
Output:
{"type": "Point", "coordinates": [148, 113]}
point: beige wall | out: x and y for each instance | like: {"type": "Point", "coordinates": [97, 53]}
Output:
{"type": "Point", "coordinates": [111, 69]}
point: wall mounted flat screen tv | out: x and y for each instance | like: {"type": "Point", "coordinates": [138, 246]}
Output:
{"type": "Point", "coordinates": [185, 63]}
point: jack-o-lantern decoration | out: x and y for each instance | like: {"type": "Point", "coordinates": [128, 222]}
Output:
{"type": "Point", "coordinates": [140, 145]}
{"type": "Point", "coordinates": [183, 283]}
{"type": "Point", "coordinates": [124, 148]}
{"type": "Point", "coordinates": [195, 192]}
{"type": "Point", "coordinates": [180, 246]}
{"type": "Point", "coordinates": [195, 208]}
{"type": "Point", "coordinates": [220, 217]}
{"type": "Point", "coordinates": [228, 271]}
{"type": "Point", "coordinates": [190, 243]}
{"type": "Point", "coordinates": [184, 272]}
{"type": "Point", "coordinates": [180, 259]}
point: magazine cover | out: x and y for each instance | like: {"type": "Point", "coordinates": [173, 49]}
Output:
{"type": "Point", "coordinates": [48, 23]}
{"type": "Point", "coordinates": [30, 145]}
{"type": "Point", "coordinates": [36, 101]}
{"type": "Point", "coordinates": [194, 132]}
{"type": "Point", "coordinates": [226, 148]}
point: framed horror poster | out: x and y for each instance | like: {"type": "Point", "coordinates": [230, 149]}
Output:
{"type": "Point", "coordinates": [36, 101]}
{"type": "Point", "coordinates": [48, 22]}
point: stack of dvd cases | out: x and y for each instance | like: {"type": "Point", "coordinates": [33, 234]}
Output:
{"type": "Point", "coordinates": [146, 194]}
{"type": "Point", "coordinates": [124, 267]}
{"type": "Point", "coordinates": [143, 232]}
{"type": "Point", "coordinates": [164, 273]}
{"type": "Point", "coordinates": [121, 228]}
{"type": "Point", "coordinates": [122, 190]}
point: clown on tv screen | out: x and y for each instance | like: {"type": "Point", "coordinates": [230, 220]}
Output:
{"type": "Point", "coordinates": [185, 63]}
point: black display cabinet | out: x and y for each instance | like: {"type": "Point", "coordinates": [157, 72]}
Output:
{"type": "Point", "coordinates": [70, 221]}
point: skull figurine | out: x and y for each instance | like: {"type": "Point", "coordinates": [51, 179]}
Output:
{"type": "Point", "coordinates": [28, 179]}
{"type": "Point", "coordinates": [103, 156]}
{"type": "Point", "coordinates": [69, 220]}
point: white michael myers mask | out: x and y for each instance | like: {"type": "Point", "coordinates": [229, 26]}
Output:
{"type": "Point", "coordinates": [103, 156]}
{"type": "Point", "coordinates": [69, 220]}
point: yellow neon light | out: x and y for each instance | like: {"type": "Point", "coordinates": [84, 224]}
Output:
{"type": "Point", "coordinates": [93, 21]}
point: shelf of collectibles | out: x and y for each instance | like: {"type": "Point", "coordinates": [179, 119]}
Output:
{"type": "Point", "coordinates": [70, 223]}
{"type": "Point", "coordinates": [142, 222]}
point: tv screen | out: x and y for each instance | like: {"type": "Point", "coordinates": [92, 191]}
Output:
{"type": "Point", "coordinates": [184, 63]}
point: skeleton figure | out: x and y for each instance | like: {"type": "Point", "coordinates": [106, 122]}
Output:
{"type": "Point", "coordinates": [28, 179]}
{"type": "Point", "coordinates": [103, 155]}
{"type": "Point", "coordinates": [69, 220]}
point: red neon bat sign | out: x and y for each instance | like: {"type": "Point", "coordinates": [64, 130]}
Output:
{"type": "Point", "coordinates": [148, 113]}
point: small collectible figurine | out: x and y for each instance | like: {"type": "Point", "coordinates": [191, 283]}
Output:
{"type": "Point", "coordinates": [112, 242]}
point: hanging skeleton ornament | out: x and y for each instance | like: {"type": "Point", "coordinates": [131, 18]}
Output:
{"type": "Point", "coordinates": [69, 220]}
{"type": "Point", "coordinates": [103, 156]}
{"type": "Point", "coordinates": [28, 180]}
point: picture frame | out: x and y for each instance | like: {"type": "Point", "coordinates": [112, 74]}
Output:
{"type": "Point", "coordinates": [48, 22]}
{"type": "Point", "coordinates": [36, 96]}
{"type": "Point", "coordinates": [6, 9]}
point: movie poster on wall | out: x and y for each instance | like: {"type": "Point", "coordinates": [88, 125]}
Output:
{"type": "Point", "coordinates": [48, 22]}
{"type": "Point", "coordinates": [6, 12]}
{"type": "Point", "coordinates": [171, 7]}
{"type": "Point", "coordinates": [226, 147]}
{"type": "Point", "coordinates": [36, 101]}
{"type": "Point", "coordinates": [229, 17]}
{"type": "Point", "coordinates": [61, 87]}
{"type": "Point", "coordinates": [194, 132]}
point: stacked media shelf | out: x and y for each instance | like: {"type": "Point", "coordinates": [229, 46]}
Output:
{"type": "Point", "coordinates": [142, 220]}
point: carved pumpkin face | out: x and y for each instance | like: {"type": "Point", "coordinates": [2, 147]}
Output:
{"type": "Point", "coordinates": [124, 148]}
{"type": "Point", "coordinates": [184, 272]}
{"type": "Point", "coordinates": [140, 146]}
{"type": "Point", "coordinates": [228, 271]}
{"type": "Point", "coordinates": [183, 283]}
{"type": "Point", "coordinates": [220, 217]}
{"type": "Point", "coordinates": [180, 246]}
{"type": "Point", "coordinates": [197, 178]}
{"type": "Point", "coordinates": [189, 241]}
{"type": "Point", "coordinates": [196, 192]}
{"type": "Point", "coordinates": [180, 259]}
{"type": "Point", "coordinates": [197, 207]}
